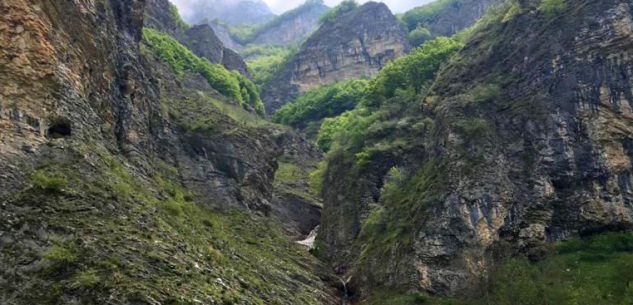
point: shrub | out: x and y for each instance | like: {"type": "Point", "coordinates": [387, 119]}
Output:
{"type": "Point", "coordinates": [180, 59]}
{"type": "Point", "coordinates": [419, 35]}
{"type": "Point", "coordinates": [85, 279]}
{"type": "Point", "coordinates": [322, 102]}
{"type": "Point", "coordinates": [176, 15]}
{"type": "Point", "coordinates": [551, 8]}
{"type": "Point", "coordinates": [60, 256]}
{"type": "Point", "coordinates": [414, 71]}
{"type": "Point", "coordinates": [50, 184]}
{"type": "Point", "coordinates": [269, 62]}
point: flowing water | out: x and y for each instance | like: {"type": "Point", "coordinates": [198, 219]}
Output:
{"type": "Point", "coordinates": [308, 242]}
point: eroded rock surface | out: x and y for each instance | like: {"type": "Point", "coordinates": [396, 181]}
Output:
{"type": "Point", "coordinates": [357, 44]}
{"type": "Point", "coordinates": [543, 154]}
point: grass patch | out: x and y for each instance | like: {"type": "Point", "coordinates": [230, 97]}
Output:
{"type": "Point", "coordinates": [54, 183]}
{"type": "Point", "coordinates": [552, 8]}
{"type": "Point", "coordinates": [231, 84]}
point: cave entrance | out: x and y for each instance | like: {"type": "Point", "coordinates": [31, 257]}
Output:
{"type": "Point", "coordinates": [59, 128]}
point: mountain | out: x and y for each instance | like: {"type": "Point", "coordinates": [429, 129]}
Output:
{"type": "Point", "coordinates": [356, 44]}
{"type": "Point", "coordinates": [232, 12]}
{"type": "Point", "coordinates": [521, 141]}
{"type": "Point", "coordinates": [447, 17]}
{"type": "Point", "coordinates": [201, 39]}
{"type": "Point", "coordinates": [132, 172]}
{"type": "Point", "coordinates": [292, 27]}
{"type": "Point", "coordinates": [491, 167]}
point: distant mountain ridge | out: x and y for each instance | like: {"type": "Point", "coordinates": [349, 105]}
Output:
{"type": "Point", "coordinates": [355, 44]}
{"type": "Point", "coordinates": [231, 12]}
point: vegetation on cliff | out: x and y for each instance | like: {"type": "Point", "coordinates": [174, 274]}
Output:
{"type": "Point", "coordinates": [246, 34]}
{"type": "Point", "coordinates": [146, 240]}
{"type": "Point", "coordinates": [423, 15]}
{"type": "Point", "coordinates": [396, 89]}
{"type": "Point", "coordinates": [342, 8]}
{"type": "Point", "coordinates": [231, 84]}
{"type": "Point", "coordinates": [321, 102]}
{"type": "Point", "coordinates": [595, 270]}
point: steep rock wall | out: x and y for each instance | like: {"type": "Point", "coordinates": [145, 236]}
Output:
{"type": "Point", "coordinates": [525, 141]}
{"type": "Point", "coordinates": [357, 44]}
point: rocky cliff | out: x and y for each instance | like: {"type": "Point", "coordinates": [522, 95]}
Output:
{"type": "Point", "coordinates": [123, 183]}
{"type": "Point", "coordinates": [524, 139]}
{"type": "Point", "coordinates": [201, 39]}
{"type": "Point", "coordinates": [292, 27]}
{"type": "Point", "coordinates": [354, 45]}
{"type": "Point", "coordinates": [447, 17]}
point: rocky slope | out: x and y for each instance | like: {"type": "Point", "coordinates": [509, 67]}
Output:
{"type": "Point", "coordinates": [123, 183]}
{"type": "Point", "coordinates": [524, 139]}
{"type": "Point", "coordinates": [225, 36]}
{"type": "Point", "coordinates": [357, 44]}
{"type": "Point", "coordinates": [447, 17]}
{"type": "Point", "coordinates": [201, 39]}
{"type": "Point", "coordinates": [292, 27]}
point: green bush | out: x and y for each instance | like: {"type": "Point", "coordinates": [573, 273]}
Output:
{"type": "Point", "coordinates": [552, 8]}
{"type": "Point", "coordinates": [49, 183]}
{"type": "Point", "coordinates": [414, 71]}
{"type": "Point", "coordinates": [322, 102]}
{"type": "Point", "coordinates": [176, 15]}
{"type": "Point", "coordinates": [419, 36]}
{"type": "Point", "coordinates": [85, 279]}
{"type": "Point", "coordinates": [180, 59]}
{"type": "Point", "coordinates": [268, 62]}
{"type": "Point", "coordinates": [344, 7]}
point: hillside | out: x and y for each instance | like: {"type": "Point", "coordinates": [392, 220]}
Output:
{"type": "Point", "coordinates": [130, 177]}
{"type": "Point", "coordinates": [444, 17]}
{"type": "Point", "coordinates": [521, 141]}
{"type": "Point", "coordinates": [163, 16]}
{"type": "Point", "coordinates": [355, 44]}
{"type": "Point", "coordinates": [490, 165]}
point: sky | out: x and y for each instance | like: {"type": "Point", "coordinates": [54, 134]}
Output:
{"type": "Point", "coordinates": [280, 6]}
{"type": "Point", "coordinates": [396, 6]}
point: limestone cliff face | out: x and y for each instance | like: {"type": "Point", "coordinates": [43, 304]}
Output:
{"type": "Point", "coordinates": [526, 141]}
{"type": "Point", "coordinates": [90, 128]}
{"type": "Point", "coordinates": [357, 44]}
{"type": "Point", "coordinates": [223, 34]}
{"type": "Point", "coordinates": [293, 30]}
{"type": "Point", "coordinates": [458, 16]}
{"type": "Point", "coordinates": [200, 39]}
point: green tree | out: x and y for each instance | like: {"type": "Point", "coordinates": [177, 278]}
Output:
{"type": "Point", "coordinates": [419, 35]}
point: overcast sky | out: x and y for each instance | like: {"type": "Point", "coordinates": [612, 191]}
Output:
{"type": "Point", "coordinates": [397, 6]}
{"type": "Point", "coordinates": [280, 6]}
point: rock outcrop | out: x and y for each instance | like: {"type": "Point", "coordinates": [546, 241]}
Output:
{"type": "Point", "coordinates": [524, 139]}
{"type": "Point", "coordinates": [118, 179]}
{"type": "Point", "coordinates": [354, 45]}
{"type": "Point", "coordinates": [452, 17]}
{"type": "Point", "coordinates": [200, 39]}
{"type": "Point", "coordinates": [292, 27]}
